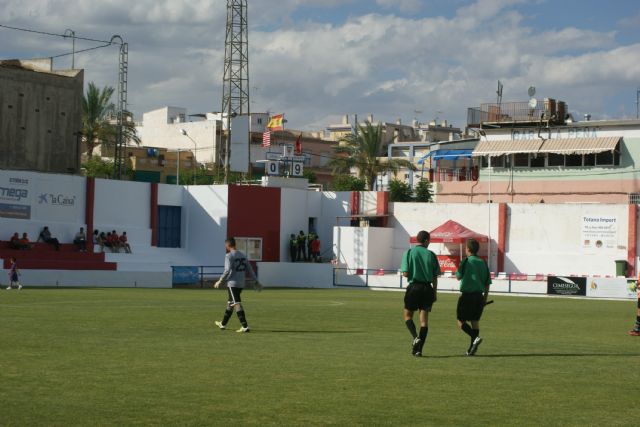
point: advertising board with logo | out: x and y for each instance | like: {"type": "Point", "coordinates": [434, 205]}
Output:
{"type": "Point", "coordinates": [611, 287]}
{"type": "Point", "coordinates": [60, 199]}
{"type": "Point", "coordinates": [599, 233]}
{"type": "Point", "coordinates": [448, 263]}
{"type": "Point", "coordinates": [567, 286]}
{"type": "Point", "coordinates": [15, 196]}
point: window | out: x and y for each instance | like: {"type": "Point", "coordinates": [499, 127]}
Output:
{"type": "Point", "coordinates": [605, 158]}
{"type": "Point", "coordinates": [537, 160]}
{"type": "Point", "coordinates": [259, 121]}
{"type": "Point", "coordinates": [589, 159]}
{"type": "Point", "coordinates": [251, 246]}
{"type": "Point", "coordinates": [496, 162]}
{"type": "Point", "coordinates": [521, 160]}
{"type": "Point", "coordinates": [573, 160]}
{"type": "Point", "coordinates": [556, 159]}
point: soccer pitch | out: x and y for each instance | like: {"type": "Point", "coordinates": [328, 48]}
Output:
{"type": "Point", "coordinates": [134, 356]}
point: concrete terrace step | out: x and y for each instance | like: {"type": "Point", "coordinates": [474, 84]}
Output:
{"type": "Point", "coordinates": [53, 264]}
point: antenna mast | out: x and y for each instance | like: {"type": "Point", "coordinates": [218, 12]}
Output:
{"type": "Point", "coordinates": [235, 90]}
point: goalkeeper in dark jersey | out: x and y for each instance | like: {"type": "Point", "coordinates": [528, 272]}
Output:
{"type": "Point", "coordinates": [235, 268]}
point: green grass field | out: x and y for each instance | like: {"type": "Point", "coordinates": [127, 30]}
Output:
{"type": "Point", "coordinates": [133, 356]}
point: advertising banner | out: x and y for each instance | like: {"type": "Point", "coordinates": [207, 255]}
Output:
{"type": "Point", "coordinates": [601, 287]}
{"type": "Point", "coordinates": [448, 263]}
{"type": "Point", "coordinates": [15, 195]}
{"type": "Point", "coordinates": [599, 233]}
{"type": "Point", "coordinates": [567, 286]}
{"type": "Point", "coordinates": [185, 275]}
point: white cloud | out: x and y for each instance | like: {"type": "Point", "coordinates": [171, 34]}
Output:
{"type": "Point", "coordinates": [402, 5]}
{"type": "Point", "coordinates": [314, 71]}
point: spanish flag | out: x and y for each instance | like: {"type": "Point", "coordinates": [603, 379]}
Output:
{"type": "Point", "coordinates": [276, 122]}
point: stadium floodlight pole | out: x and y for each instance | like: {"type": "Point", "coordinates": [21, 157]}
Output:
{"type": "Point", "coordinates": [72, 34]}
{"type": "Point", "coordinates": [195, 149]}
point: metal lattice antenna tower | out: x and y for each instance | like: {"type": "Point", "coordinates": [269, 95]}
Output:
{"type": "Point", "coordinates": [235, 90]}
{"type": "Point", "coordinates": [122, 114]}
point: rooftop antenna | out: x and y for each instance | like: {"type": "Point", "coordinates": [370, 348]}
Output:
{"type": "Point", "coordinates": [638, 103]}
{"type": "Point", "coordinates": [235, 87]}
{"type": "Point", "coordinates": [499, 93]}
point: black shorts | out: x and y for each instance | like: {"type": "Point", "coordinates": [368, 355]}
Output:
{"type": "Point", "coordinates": [234, 295]}
{"type": "Point", "coordinates": [470, 306]}
{"type": "Point", "coordinates": [639, 303]}
{"type": "Point", "coordinates": [419, 296]}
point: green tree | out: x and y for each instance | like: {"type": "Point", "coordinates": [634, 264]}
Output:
{"type": "Point", "coordinates": [96, 109]}
{"type": "Point", "coordinates": [97, 124]}
{"type": "Point", "coordinates": [400, 191]}
{"type": "Point", "coordinates": [310, 175]}
{"type": "Point", "coordinates": [424, 191]}
{"type": "Point", "coordinates": [365, 151]}
{"type": "Point", "coordinates": [347, 183]}
{"type": "Point", "coordinates": [95, 167]}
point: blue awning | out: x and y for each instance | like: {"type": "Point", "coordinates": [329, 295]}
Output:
{"type": "Point", "coordinates": [447, 155]}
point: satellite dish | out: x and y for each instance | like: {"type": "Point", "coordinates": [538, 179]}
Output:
{"type": "Point", "coordinates": [533, 103]}
{"type": "Point", "coordinates": [532, 91]}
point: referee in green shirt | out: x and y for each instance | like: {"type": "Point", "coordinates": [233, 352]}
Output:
{"type": "Point", "coordinates": [421, 268]}
{"type": "Point", "coordinates": [475, 280]}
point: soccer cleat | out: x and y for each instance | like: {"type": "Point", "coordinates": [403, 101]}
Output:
{"type": "Point", "coordinates": [474, 347]}
{"type": "Point", "coordinates": [417, 354]}
{"type": "Point", "coordinates": [220, 325]}
{"type": "Point", "coordinates": [416, 346]}
{"type": "Point", "coordinates": [243, 330]}
{"type": "Point", "coordinates": [8, 288]}
{"type": "Point", "coordinates": [634, 333]}
{"type": "Point", "coordinates": [19, 287]}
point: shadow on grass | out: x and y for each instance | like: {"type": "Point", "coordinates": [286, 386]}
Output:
{"type": "Point", "coordinates": [286, 331]}
{"type": "Point", "coordinates": [538, 355]}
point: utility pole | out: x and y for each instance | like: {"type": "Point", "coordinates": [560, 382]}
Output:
{"type": "Point", "coordinates": [235, 88]}
{"type": "Point", "coordinates": [72, 34]}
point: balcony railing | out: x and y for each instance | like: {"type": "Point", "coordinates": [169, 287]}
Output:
{"type": "Point", "coordinates": [549, 110]}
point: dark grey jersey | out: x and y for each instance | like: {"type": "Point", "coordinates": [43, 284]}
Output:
{"type": "Point", "coordinates": [236, 266]}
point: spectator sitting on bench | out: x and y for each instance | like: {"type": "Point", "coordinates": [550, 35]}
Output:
{"type": "Point", "coordinates": [81, 240]}
{"type": "Point", "coordinates": [14, 243]}
{"type": "Point", "coordinates": [124, 243]}
{"type": "Point", "coordinates": [116, 241]}
{"type": "Point", "coordinates": [25, 244]}
{"type": "Point", "coordinates": [108, 241]}
{"type": "Point", "coordinates": [101, 240]}
{"type": "Point", "coordinates": [46, 237]}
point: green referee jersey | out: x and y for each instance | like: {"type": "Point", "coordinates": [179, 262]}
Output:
{"type": "Point", "coordinates": [421, 264]}
{"type": "Point", "coordinates": [474, 275]}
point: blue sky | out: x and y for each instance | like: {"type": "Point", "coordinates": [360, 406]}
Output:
{"type": "Point", "coordinates": [316, 60]}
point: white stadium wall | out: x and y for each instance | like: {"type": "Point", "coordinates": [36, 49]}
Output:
{"type": "Point", "coordinates": [204, 223]}
{"type": "Point", "coordinates": [29, 201]}
{"type": "Point", "coordinates": [364, 247]}
{"type": "Point", "coordinates": [409, 218]}
{"type": "Point", "coordinates": [545, 238]}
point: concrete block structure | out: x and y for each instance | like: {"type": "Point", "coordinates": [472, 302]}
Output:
{"type": "Point", "coordinates": [40, 117]}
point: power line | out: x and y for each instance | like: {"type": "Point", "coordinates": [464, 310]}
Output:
{"type": "Point", "coordinates": [80, 51]}
{"type": "Point", "coordinates": [45, 33]}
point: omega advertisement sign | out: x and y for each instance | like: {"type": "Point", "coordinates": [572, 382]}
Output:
{"type": "Point", "coordinates": [567, 286]}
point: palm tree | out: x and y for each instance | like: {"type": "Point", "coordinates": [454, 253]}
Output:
{"type": "Point", "coordinates": [96, 109]}
{"type": "Point", "coordinates": [365, 151]}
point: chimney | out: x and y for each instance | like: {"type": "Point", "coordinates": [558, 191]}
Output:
{"type": "Point", "coordinates": [370, 118]}
{"type": "Point", "coordinates": [399, 121]}
{"type": "Point", "coordinates": [345, 119]}
{"type": "Point", "coordinates": [587, 117]}
{"type": "Point", "coordinates": [445, 123]}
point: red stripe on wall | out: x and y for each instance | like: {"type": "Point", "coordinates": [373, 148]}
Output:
{"type": "Point", "coordinates": [255, 212]}
{"type": "Point", "coordinates": [382, 207]}
{"type": "Point", "coordinates": [632, 238]}
{"type": "Point", "coordinates": [502, 235]}
{"type": "Point", "coordinates": [90, 196]}
{"type": "Point", "coordinates": [153, 220]}
{"type": "Point", "coordinates": [355, 203]}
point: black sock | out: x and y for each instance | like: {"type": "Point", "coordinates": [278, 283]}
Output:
{"type": "Point", "coordinates": [467, 329]}
{"type": "Point", "coordinates": [637, 322]}
{"type": "Point", "coordinates": [476, 333]}
{"type": "Point", "coordinates": [242, 318]}
{"type": "Point", "coordinates": [412, 328]}
{"type": "Point", "coordinates": [227, 315]}
{"type": "Point", "coordinates": [423, 336]}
